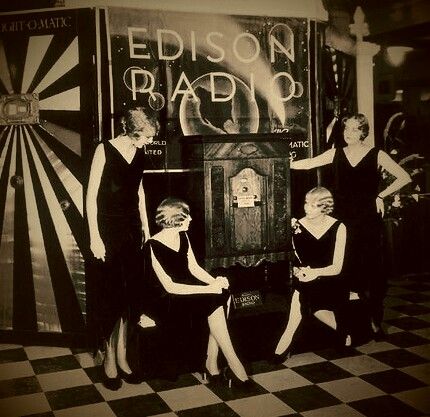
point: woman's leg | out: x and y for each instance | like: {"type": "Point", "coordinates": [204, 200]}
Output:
{"type": "Point", "coordinates": [213, 349]}
{"type": "Point", "coordinates": [219, 332]}
{"type": "Point", "coordinates": [327, 317]}
{"type": "Point", "coordinates": [121, 347]}
{"type": "Point", "coordinates": [212, 356]}
{"type": "Point", "coordinates": [294, 320]}
{"type": "Point", "coordinates": [110, 354]}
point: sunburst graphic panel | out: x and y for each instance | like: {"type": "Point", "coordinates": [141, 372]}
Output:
{"type": "Point", "coordinates": [42, 170]}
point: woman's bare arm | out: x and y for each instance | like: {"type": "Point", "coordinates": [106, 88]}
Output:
{"type": "Point", "coordinates": [401, 176]}
{"type": "Point", "coordinates": [315, 162]}
{"type": "Point", "coordinates": [143, 212]}
{"type": "Point", "coordinates": [97, 165]}
{"type": "Point", "coordinates": [182, 289]}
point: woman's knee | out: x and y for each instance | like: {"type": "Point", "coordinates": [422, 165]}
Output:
{"type": "Point", "coordinates": [217, 313]}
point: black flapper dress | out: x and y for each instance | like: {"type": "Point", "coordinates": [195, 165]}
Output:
{"type": "Point", "coordinates": [120, 226]}
{"type": "Point", "coordinates": [181, 320]}
{"type": "Point", "coordinates": [326, 292]}
{"type": "Point", "coordinates": [355, 190]}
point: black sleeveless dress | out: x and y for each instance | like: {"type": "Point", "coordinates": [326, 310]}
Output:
{"type": "Point", "coordinates": [120, 226]}
{"type": "Point", "coordinates": [181, 320]}
{"type": "Point", "coordinates": [327, 292]}
{"type": "Point", "coordinates": [355, 190]}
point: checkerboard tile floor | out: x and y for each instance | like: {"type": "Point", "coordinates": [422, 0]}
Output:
{"type": "Point", "coordinates": [378, 379]}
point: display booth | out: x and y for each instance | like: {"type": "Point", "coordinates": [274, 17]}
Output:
{"type": "Point", "coordinates": [249, 86]}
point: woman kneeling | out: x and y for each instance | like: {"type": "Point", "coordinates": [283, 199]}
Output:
{"type": "Point", "coordinates": [319, 243]}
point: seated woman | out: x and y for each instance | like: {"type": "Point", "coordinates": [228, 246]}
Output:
{"type": "Point", "coordinates": [184, 299]}
{"type": "Point", "coordinates": [319, 243]}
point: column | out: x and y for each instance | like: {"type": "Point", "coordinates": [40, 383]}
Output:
{"type": "Point", "coordinates": [364, 70]}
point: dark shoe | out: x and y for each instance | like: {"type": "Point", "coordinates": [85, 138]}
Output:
{"type": "Point", "coordinates": [234, 382]}
{"type": "Point", "coordinates": [208, 378]}
{"type": "Point", "coordinates": [133, 378]}
{"type": "Point", "coordinates": [281, 358]}
{"type": "Point", "coordinates": [378, 335]}
{"type": "Point", "coordinates": [113, 384]}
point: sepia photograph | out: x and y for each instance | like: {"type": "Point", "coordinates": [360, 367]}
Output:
{"type": "Point", "coordinates": [214, 208]}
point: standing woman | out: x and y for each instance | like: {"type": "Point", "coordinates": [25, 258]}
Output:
{"type": "Point", "coordinates": [360, 205]}
{"type": "Point", "coordinates": [118, 226]}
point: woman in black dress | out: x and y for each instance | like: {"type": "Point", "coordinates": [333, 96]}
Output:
{"type": "Point", "coordinates": [319, 287]}
{"type": "Point", "coordinates": [360, 206]}
{"type": "Point", "coordinates": [118, 224]}
{"type": "Point", "coordinates": [183, 299]}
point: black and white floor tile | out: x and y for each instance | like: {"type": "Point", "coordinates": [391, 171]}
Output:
{"type": "Point", "coordinates": [379, 379]}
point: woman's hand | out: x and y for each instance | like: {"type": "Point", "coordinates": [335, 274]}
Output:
{"type": "Point", "coordinates": [215, 287]}
{"type": "Point", "coordinates": [98, 248]}
{"type": "Point", "coordinates": [296, 271]}
{"type": "Point", "coordinates": [223, 281]}
{"type": "Point", "coordinates": [145, 237]}
{"type": "Point", "coordinates": [305, 274]}
{"type": "Point", "coordinates": [380, 208]}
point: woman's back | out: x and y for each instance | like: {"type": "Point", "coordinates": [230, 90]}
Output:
{"type": "Point", "coordinates": [174, 263]}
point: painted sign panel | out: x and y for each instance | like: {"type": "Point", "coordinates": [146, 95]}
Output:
{"type": "Point", "coordinates": [45, 121]}
{"type": "Point", "coordinates": [211, 74]}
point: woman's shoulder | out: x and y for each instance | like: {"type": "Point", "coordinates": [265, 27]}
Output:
{"type": "Point", "coordinates": [368, 149]}
{"type": "Point", "coordinates": [99, 153]}
{"type": "Point", "coordinates": [336, 223]}
{"type": "Point", "coordinates": [155, 238]}
{"type": "Point", "coordinates": [185, 239]}
{"type": "Point", "coordinates": [382, 154]}
{"type": "Point", "coordinates": [332, 220]}
{"type": "Point", "coordinates": [154, 245]}
{"type": "Point", "coordinates": [159, 240]}
{"type": "Point", "coordinates": [114, 141]}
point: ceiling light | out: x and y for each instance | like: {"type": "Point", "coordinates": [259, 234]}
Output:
{"type": "Point", "coordinates": [396, 54]}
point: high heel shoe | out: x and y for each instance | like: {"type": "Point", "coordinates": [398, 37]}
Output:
{"type": "Point", "coordinates": [133, 378]}
{"type": "Point", "coordinates": [378, 335]}
{"type": "Point", "coordinates": [209, 378]}
{"type": "Point", "coordinates": [234, 382]}
{"type": "Point", "coordinates": [277, 359]}
{"type": "Point", "coordinates": [113, 384]}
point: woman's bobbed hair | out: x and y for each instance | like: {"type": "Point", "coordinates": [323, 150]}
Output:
{"type": "Point", "coordinates": [171, 212]}
{"type": "Point", "coordinates": [137, 119]}
{"type": "Point", "coordinates": [323, 198]}
{"type": "Point", "coordinates": [363, 123]}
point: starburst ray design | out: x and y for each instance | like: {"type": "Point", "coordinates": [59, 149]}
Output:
{"type": "Point", "coordinates": [46, 311]}
{"type": "Point", "coordinates": [67, 100]}
{"type": "Point", "coordinates": [7, 161]}
{"type": "Point", "coordinates": [37, 47]}
{"type": "Point", "coordinates": [63, 250]}
{"type": "Point", "coordinates": [42, 241]}
{"type": "Point", "coordinates": [4, 71]}
{"type": "Point", "coordinates": [65, 63]}
{"type": "Point", "coordinates": [70, 182]}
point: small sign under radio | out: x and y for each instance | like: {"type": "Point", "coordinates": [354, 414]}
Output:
{"type": "Point", "coordinates": [247, 299]}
